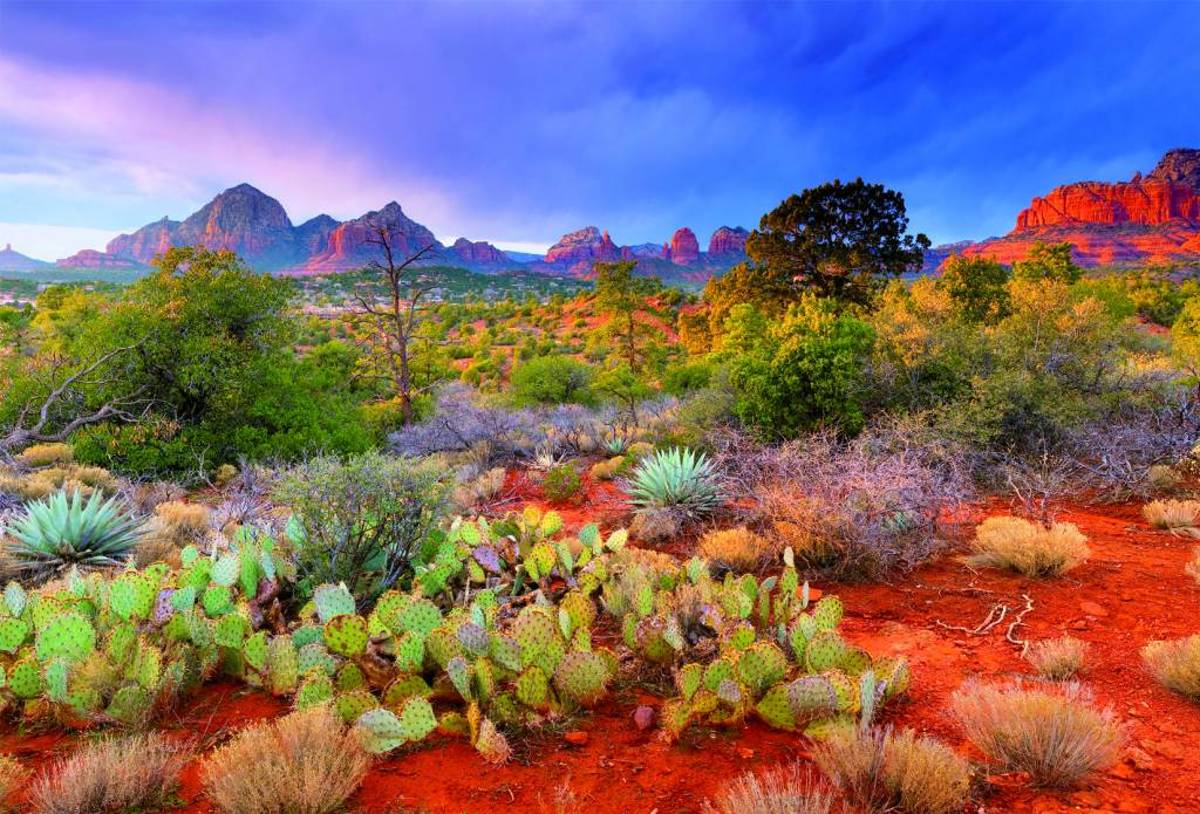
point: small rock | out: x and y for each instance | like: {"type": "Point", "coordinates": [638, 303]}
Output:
{"type": "Point", "coordinates": [1079, 625]}
{"type": "Point", "coordinates": [643, 717]}
{"type": "Point", "coordinates": [1140, 760]}
{"type": "Point", "coordinates": [1123, 771]}
{"type": "Point", "coordinates": [576, 738]}
{"type": "Point", "coordinates": [745, 753]}
{"type": "Point", "coordinates": [1092, 609]}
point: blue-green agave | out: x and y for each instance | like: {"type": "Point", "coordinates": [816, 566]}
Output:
{"type": "Point", "coordinates": [676, 478]}
{"type": "Point", "coordinates": [61, 531]}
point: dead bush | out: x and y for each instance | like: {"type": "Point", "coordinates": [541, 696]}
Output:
{"type": "Point", "coordinates": [738, 549]}
{"type": "Point", "coordinates": [480, 489]}
{"type": "Point", "coordinates": [132, 773]}
{"type": "Point", "coordinates": [305, 763]}
{"type": "Point", "coordinates": [784, 790]}
{"type": "Point", "coordinates": [1028, 548]}
{"type": "Point", "coordinates": [1057, 735]}
{"type": "Point", "coordinates": [1057, 659]}
{"type": "Point", "coordinates": [878, 771]}
{"type": "Point", "coordinates": [12, 777]}
{"type": "Point", "coordinates": [1180, 516]}
{"type": "Point", "coordinates": [1175, 664]}
{"type": "Point", "coordinates": [655, 525]}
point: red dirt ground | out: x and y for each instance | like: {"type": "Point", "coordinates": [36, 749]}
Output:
{"type": "Point", "coordinates": [1132, 590]}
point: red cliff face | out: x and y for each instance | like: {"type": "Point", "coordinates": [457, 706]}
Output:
{"type": "Point", "coordinates": [728, 241]}
{"type": "Point", "coordinates": [349, 245]}
{"type": "Point", "coordinates": [92, 259]}
{"type": "Point", "coordinates": [477, 253]}
{"type": "Point", "coordinates": [684, 249]}
{"type": "Point", "coordinates": [145, 243]}
{"type": "Point", "coordinates": [578, 250]}
{"type": "Point", "coordinates": [1151, 219]}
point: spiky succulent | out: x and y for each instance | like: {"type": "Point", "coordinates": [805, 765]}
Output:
{"type": "Point", "coordinates": [60, 531]}
{"type": "Point", "coordinates": [676, 478]}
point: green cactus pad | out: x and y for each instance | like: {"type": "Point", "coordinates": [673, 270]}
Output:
{"type": "Point", "coordinates": [130, 704]}
{"type": "Point", "coordinates": [131, 596]}
{"type": "Point", "coordinates": [226, 569]}
{"type": "Point", "coordinates": [13, 633]}
{"type": "Point", "coordinates": [183, 599]}
{"type": "Point", "coordinates": [379, 730]}
{"type": "Point", "coordinates": [459, 671]}
{"type": "Point", "coordinates": [533, 689]}
{"type": "Point", "coordinates": [894, 675]}
{"type": "Point", "coordinates": [349, 677]}
{"type": "Point", "coordinates": [410, 653]}
{"type": "Point", "coordinates": [25, 679]}
{"type": "Point", "coordinates": [716, 672]}
{"type": "Point", "coordinates": [331, 601]}
{"type": "Point", "coordinates": [454, 724]}
{"type": "Point", "coordinates": [54, 674]}
{"type": "Point", "coordinates": [420, 617]}
{"type": "Point", "coordinates": [760, 666]}
{"type": "Point", "coordinates": [676, 716]}
{"type": "Point", "coordinates": [774, 708]}
{"type": "Point", "coordinates": [811, 697]}
{"type": "Point", "coordinates": [835, 726]}
{"type": "Point", "coordinates": [68, 636]}
{"type": "Point", "coordinates": [346, 635]}
{"type": "Point", "coordinates": [824, 652]}
{"type": "Point", "coordinates": [828, 612]}
{"type": "Point", "coordinates": [404, 688]}
{"type": "Point", "coordinates": [689, 679]}
{"type": "Point", "coordinates": [352, 704]}
{"type": "Point", "coordinates": [846, 689]}
{"type": "Point", "coordinates": [283, 666]}
{"type": "Point", "coordinates": [230, 631]}
{"type": "Point", "coordinates": [255, 650]}
{"type": "Point", "coordinates": [307, 634]}
{"type": "Point", "coordinates": [854, 661]}
{"type": "Point", "coordinates": [217, 600]}
{"type": "Point", "coordinates": [582, 678]}
{"type": "Point", "coordinates": [15, 598]}
{"type": "Point", "coordinates": [505, 651]}
{"type": "Point", "coordinates": [315, 659]}
{"type": "Point", "coordinates": [315, 689]}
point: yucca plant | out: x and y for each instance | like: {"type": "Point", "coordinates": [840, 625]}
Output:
{"type": "Point", "coordinates": [676, 478]}
{"type": "Point", "coordinates": [61, 531]}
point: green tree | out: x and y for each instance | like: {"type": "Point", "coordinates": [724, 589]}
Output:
{"type": "Point", "coordinates": [837, 240]}
{"type": "Point", "coordinates": [552, 380]}
{"type": "Point", "coordinates": [622, 296]}
{"type": "Point", "coordinates": [1047, 261]}
{"type": "Point", "coordinates": [978, 286]}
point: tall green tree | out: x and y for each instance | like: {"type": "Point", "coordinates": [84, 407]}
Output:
{"type": "Point", "coordinates": [622, 296]}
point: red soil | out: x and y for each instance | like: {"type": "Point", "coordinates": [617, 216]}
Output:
{"type": "Point", "coordinates": [1132, 590]}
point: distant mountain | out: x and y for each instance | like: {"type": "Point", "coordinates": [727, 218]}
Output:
{"type": "Point", "coordinates": [1148, 219]}
{"type": "Point", "coordinates": [15, 261]}
{"type": "Point", "coordinates": [677, 260]}
{"type": "Point", "coordinates": [251, 223]}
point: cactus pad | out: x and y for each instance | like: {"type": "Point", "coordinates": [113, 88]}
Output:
{"type": "Point", "coordinates": [316, 689]}
{"type": "Point", "coordinates": [825, 651]}
{"type": "Point", "coordinates": [352, 704]}
{"type": "Point", "coordinates": [283, 666]}
{"type": "Point", "coordinates": [760, 666]}
{"type": "Point", "coordinates": [315, 659]}
{"type": "Point", "coordinates": [774, 708]}
{"type": "Point", "coordinates": [230, 631]}
{"type": "Point", "coordinates": [828, 612]}
{"type": "Point", "coordinates": [68, 636]}
{"type": "Point", "coordinates": [217, 600]}
{"type": "Point", "coordinates": [811, 697]}
{"type": "Point", "coordinates": [582, 678]}
{"type": "Point", "coordinates": [492, 744]}
{"type": "Point", "coordinates": [331, 601]}
{"type": "Point", "coordinates": [13, 633]}
{"type": "Point", "coordinates": [255, 650]}
{"type": "Point", "coordinates": [346, 635]}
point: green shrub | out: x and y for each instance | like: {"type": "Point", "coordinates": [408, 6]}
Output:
{"type": "Point", "coordinates": [552, 380]}
{"type": "Point", "coordinates": [561, 483]}
{"type": "Point", "coordinates": [362, 521]}
{"type": "Point", "coordinates": [59, 532]}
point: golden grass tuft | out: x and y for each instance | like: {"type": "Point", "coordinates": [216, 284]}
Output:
{"type": "Point", "coordinates": [12, 777]}
{"type": "Point", "coordinates": [783, 790]}
{"type": "Point", "coordinates": [133, 773]}
{"type": "Point", "coordinates": [481, 489]}
{"type": "Point", "coordinates": [1175, 664]}
{"type": "Point", "coordinates": [1028, 548]}
{"type": "Point", "coordinates": [607, 470]}
{"type": "Point", "coordinates": [879, 771]}
{"type": "Point", "coordinates": [1193, 568]}
{"type": "Point", "coordinates": [175, 524]}
{"type": "Point", "coordinates": [46, 455]}
{"type": "Point", "coordinates": [738, 549]}
{"type": "Point", "coordinates": [654, 525]}
{"type": "Point", "coordinates": [1057, 659]}
{"type": "Point", "coordinates": [305, 763]}
{"type": "Point", "coordinates": [1173, 515]}
{"type": "Point", "coordinates": [1057, 736]}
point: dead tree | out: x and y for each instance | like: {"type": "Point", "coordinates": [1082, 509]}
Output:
{"type": "Point", "coordinates": [394, 324]}
{"type": "Point", "coordinates": [55, 416]}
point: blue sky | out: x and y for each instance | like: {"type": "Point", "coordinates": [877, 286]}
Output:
{"type": "Point", "coordinates": [517, 122]}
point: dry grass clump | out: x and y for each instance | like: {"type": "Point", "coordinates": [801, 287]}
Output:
{"type": "Point", "coordinates": [1175, 664]}
{"type": "Point", "coordinates": [1057, 659]}
{"type": "Point", "coordinates": [784, 790]}
{"type": "Point", "coordinates": [305, 763]}
{"type": "Point", "coordinates": [480, 489]}
{"type": "Point", "coordinates": [12, 777]}
{"type": "Point", "coordinates": [654, 525]}
{"type": "Point", "coordinates": [879, 771]}
{"type": "Point", "coordinates": [738, 549]}
{"type": "Point", "coordinates": [607, 470]}
{"type": "Point", "coordinates": [1173, 515]}
{"type": "Point", "coordinates": [47, 455]}
{"type": "Point", "coordinates": [1193, 567]}
{"type": "Point", "coordinates": [1059, 737]}
{"type": "Point", "coordinates": [134, 773]}
{"type": "Point", "coordinates": [1027, 547]}
{"type": "Point", "coordinates": [175, 524]}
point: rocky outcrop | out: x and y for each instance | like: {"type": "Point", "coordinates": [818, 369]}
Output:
{"type": "Point", "coordinates": [144, 244]}
{"type": "Point", "coordinates": [684, 249]}
{"type": "Point", "coordinates": [727, 241]}
{"type": "Point", "coordinates": [92, 259]}
{"type": "Point", "coordinates": [577, 251]}
{"type": "Point", "coordinates": [313, 234]}
{"type": "Point", "coordinates": [15, 261]}
{"type": "Point", "coordinates": [246, 221]}
{"type": "Point", "coordinates": [350, 245]}
{"type": "Point", "coordinates": [476, 253]}
{"type": "Point", "coordinates": [1148, 219]}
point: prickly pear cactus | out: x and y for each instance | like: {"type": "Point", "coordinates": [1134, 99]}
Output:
{"type": "Point", "coordinates": [346, 635]}
{"type": "Point", "coordinates": [582, 678]}
{"type": "Point", "coordinates": [331, 601]}
{"type": "Point", "coordinates": [68, 636]}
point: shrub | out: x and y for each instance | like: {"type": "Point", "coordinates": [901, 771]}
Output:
{"type": "Point", "coordinates": [1057, 659]}
{"type": "Point", "coordinates": [737, 549]}
{"type": "Point", "coordinates": [607, 470]}
{"type": "Point", "coordinates": [1173, 515]}
{"type": "Point", "coordinates": [12, 777]}
{"type": "Point", "coordinates": [879, 771]}
{"type": "Point", "coordinates": [59, 532]}
{"type": "Point", "coordinates": [1058, 737]}
{"type": "Point", "coordinates": [305, 763]}
{"type": "Point", "coordinates": [778, 791]}
{"type": "Point", "coordinates": [460, 422]}
{"type": "Point", "coordinates": [677, 479]}
{"type": "Point", "coordinates": [561, 483]}
{"type": "Point", "coordinates": [1175, 664]}
{"type": "Point", "coordinates": [363, 519]}
{"type": "Point", "coordinates": [654, 525]}
{"type": "Point", "coordinates": [1027, 547]}
{"type": "Point", "coordinates": [47, 455]}
{"type": "Point", "coordinates": [480, 489]}
{"type": "Point", "coordinates": [552, 380]}
{"type": "Point", "coordinates": [133, 773]}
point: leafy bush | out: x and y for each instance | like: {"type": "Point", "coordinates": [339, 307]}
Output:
{"type": "Point", "coordinates": [1057, 659]}
{"type": "Point", "coordinates": [552, 380]}
{"type": "Point", "coordinates": [134, 773]}
{"type": "Point", "coordinates": [678, 479]}
{"type": "Point", "coordinates": [304, 763]}
{"type": "Point", "coordinates": [1175, 664]}
{"type": "Point", "coordinates": [1057, 736]}
{"type": "Point", "coordinates": [778, 791]}
{"type": "Point", "coordinates": [362, 521]}
{"type": "Point", "coordinates": [879, 772]}
{"type": "Point", "coordinates": [1027, 547]}
{"type": "Point", "coordinates": [561, 483]}
{"type": "Point", "coordinates": [61, 531]}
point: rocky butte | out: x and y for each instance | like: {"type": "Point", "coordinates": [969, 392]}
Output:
{"type": "Point", "coordinates": [1149, 219]}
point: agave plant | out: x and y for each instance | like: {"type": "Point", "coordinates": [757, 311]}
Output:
{"type": "Point", "coordinates": [61, 531]}
{"type": "Point", "coordinates": [676, 478]}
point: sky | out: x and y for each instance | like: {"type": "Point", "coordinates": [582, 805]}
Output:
{"type": "Point", "coordinates": [517, 122]}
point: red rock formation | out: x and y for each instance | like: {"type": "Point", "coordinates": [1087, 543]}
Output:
{"type": "Point", "coordinates": [477, 253]}
{"type": "Point", "coordinates": [142, 246]}
{"type": "Point", "coordinates": [683, 249]}
{"type": "Point", "coordinates": [578, 251]}
{"type": "Point", "coordinates": [92, 259]}
{"type": "Point", "coordinates": [727, 241]}
{"type": "Point", "coordinates": [1151, 219]}
{"type": "Point", "coordinates": [246, 221]}
{"type": "Point", "coordinates": [349, 246]}
{"type": "Point", "coordinates": [15, 261]}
